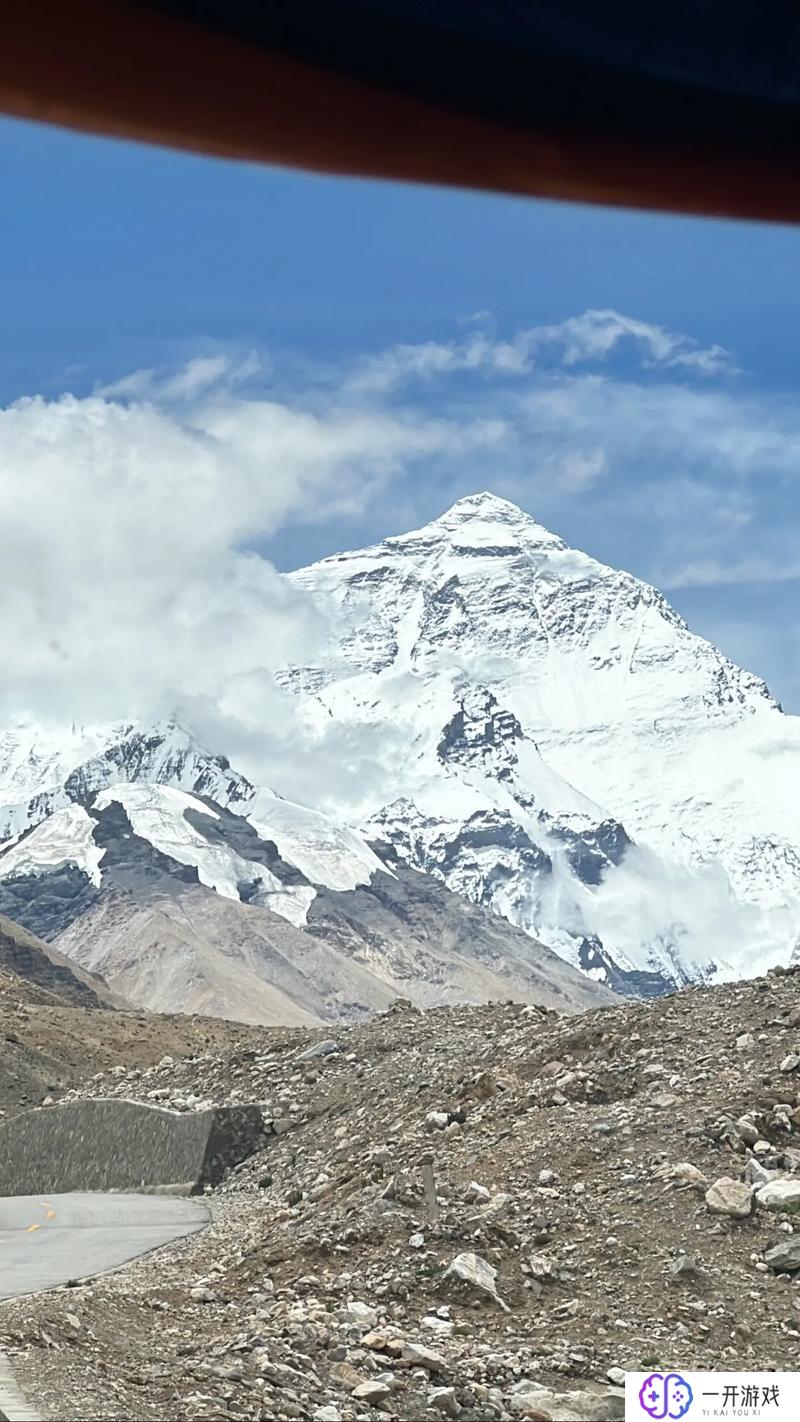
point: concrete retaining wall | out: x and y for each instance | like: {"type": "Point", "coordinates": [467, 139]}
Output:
{"type": "Point", "coordinates": [109, 1144]}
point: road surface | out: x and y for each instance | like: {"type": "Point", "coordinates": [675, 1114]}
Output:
{"type": "Point", "coordinates": [47, 1240]}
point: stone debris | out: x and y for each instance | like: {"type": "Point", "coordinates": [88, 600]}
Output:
{"type": "Point", "coordinates": [756, 1174]}
{"type": "Point", "coordinates": [530, 1399]}
{"type": "Point", "coordinates": [366, 1263]}
{"type": "Point", "coordinates": [683, 1266]}
{"type": "Point", "coordinates": [421, 1357]}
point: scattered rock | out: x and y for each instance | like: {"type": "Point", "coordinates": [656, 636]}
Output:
{"type": "Point", "coordinates": [372, 1392]}
{"type": "Point", "coordinates": [531, 1399]}
{"type": "Point", "coordinates": [437, 1120]}
{"type": "Point", "coordinates": [285, 1310]}
{"type": "Point", "coordinates": [689, 1176]}
{"type": "Point", "coordinates": [444, 1400]}
{"type": "Point", "coordinates": [757, 1174]}
{"type": "Point", "coordinates": [319, 1049]}
{"type": "Point", "coordinates": [542, 1268]}
{"type": "Point", "coordinates": [748, 1130]}
{"type": "Point", "coordinates": [730, 1197]}
{"type": "Point", "coordinates": [476, 1273]}
{"type": "Point", "coordinates": [421, 1357]}
{"type": "Point", "coordinates": [784, 1257]}
{"type": "Point", "coordinates": [780, 1195]}
{"type": "Point", "coordinates": [478, 1194]}
{"type": "Point", "coordinates": [361, 1315]}
{"type": "Point", "coordinates": [683, 1265]}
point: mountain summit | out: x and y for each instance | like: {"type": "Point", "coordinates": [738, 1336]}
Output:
{"type": "Point", "coordinates": [486, 515]}
{"type": "Point", "coordinates": [563, 747]}
{"type": "Point", "coordinates": [538, 745]}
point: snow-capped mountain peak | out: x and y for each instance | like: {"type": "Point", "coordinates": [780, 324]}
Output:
{"type": "Point", "coordinates": [483, 521]}
{"type": "Point", "coordinates": [544, 735]}
{"type": "Point", "coordinates": [532, 694]}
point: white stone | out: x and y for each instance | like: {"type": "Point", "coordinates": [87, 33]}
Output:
{"type": "Point", "coordinates": [372, 1392]}
{"type": "Point", "coordinates": [436, 1120]}
{"type": "Point", "coordinates": [361, 1314]}
{"type": "Point", "coordinates": [730, 1197]}
{"type": "Point", "coordinates": [477, 1272]}
{"type": "Point", "coordinates": [421, 1357]}
{"type": "Point", "coordinates": [444, 1400]}
{"type": "Point", "coordinates": [780, 1195]}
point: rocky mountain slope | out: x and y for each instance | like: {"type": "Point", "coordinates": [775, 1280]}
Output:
{"type": "Point", "coordinates": [49, 1041]}
{"type": "Point", "coordinates": [540, 736]}
{"type": "Point", "coordinates": [245, 905]}
{"type": "Point", "coordinates": [30, 959]}
{"type": "Point", "coordinates": [482, 1213]}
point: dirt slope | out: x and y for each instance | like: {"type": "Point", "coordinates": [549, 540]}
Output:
{"type": "Point", "coordinates": [572, 1154]}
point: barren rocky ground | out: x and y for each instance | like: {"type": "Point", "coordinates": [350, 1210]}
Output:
{"type": "Point", "coordinates": [473, 1212]}
{"type": "Point", "coordinates": [48, 1044]}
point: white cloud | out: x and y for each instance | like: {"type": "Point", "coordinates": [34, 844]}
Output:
{"type": "Point", "coordinates": [717, 572]}
{"type": "Point", "coordinates": [591, 337]}
{"type": "Point", "coordinates": [126, 577]}
{"type": "Point", "coordinates": [572, 471]}
{"type": "Point", "coordinates": [199, 376]}
{"type": "Point", "coordinates": [596, 334]}
{"type": "Point", "coordinates": [128, 515]}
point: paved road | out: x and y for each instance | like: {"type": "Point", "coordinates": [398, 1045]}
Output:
{"type": "Point", "coordinates": [49, 1239]}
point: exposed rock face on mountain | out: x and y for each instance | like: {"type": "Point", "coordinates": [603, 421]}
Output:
{"type": "Point", "coordinates": [41, 965]}
{"type": "Point", "coordinates": [547, 742]}
{"type": "Point", "coordinates": [48, 1042]}
{"type": "Point", "coordinates": [279, 917]}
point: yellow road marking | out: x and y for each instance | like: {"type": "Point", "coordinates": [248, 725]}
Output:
{"type": "Point", "coordinates": [31, 1228]}
{"type": "Point", "coordinates": [50, 1215]}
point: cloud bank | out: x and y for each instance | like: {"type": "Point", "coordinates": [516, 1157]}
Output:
{"type": "Point", "coordinates": [129, 575]}
{"type": "Point", "coordinates": [135, 518]}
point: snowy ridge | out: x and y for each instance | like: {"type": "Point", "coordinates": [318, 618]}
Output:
{"type": "Point", "coordinates": [157, 774]}
{"type": "Point", "coordinates": [184, 904]}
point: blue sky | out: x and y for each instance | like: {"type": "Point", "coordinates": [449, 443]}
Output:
{"type": "Point", "coordinates": [670, 447]}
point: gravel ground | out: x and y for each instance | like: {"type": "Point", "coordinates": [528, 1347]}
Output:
{"type": "Point", "coordinates": [476, 1212]}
